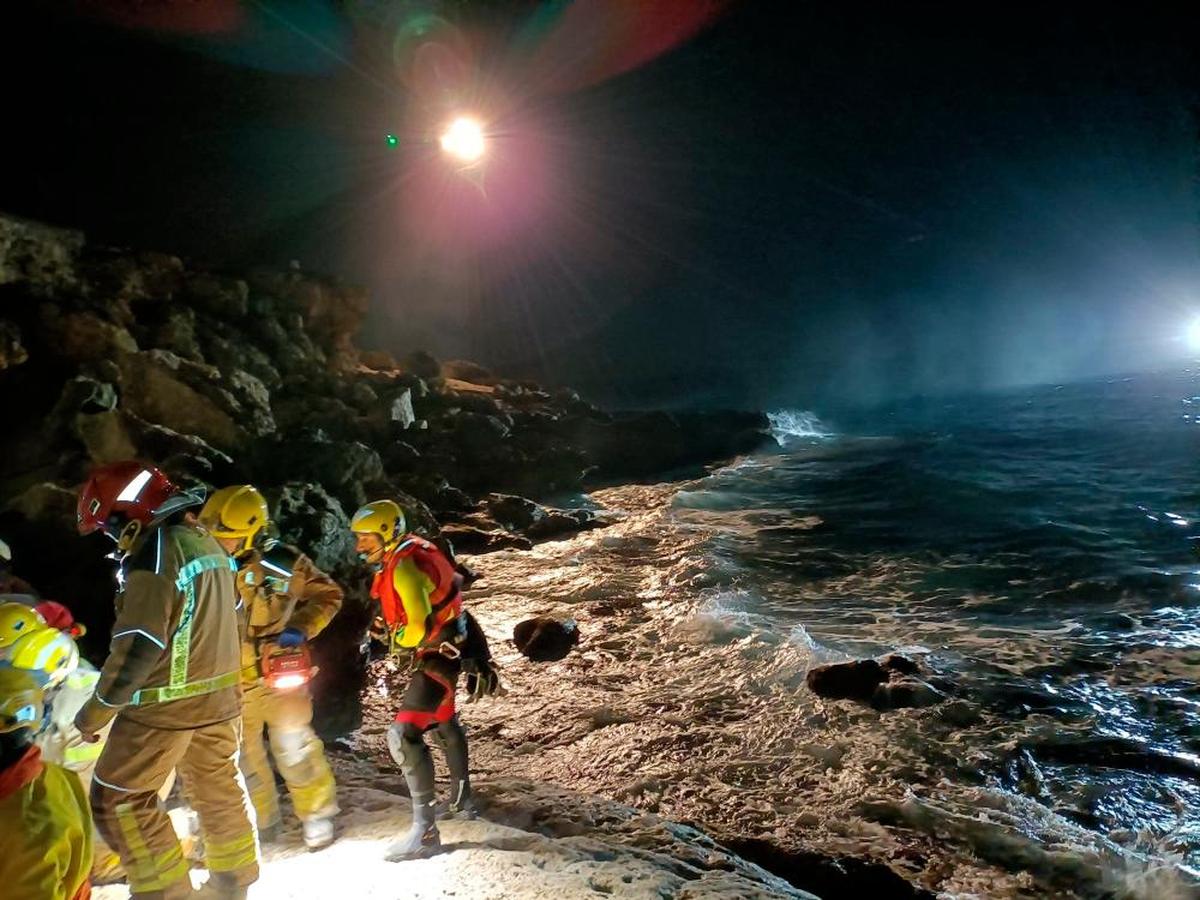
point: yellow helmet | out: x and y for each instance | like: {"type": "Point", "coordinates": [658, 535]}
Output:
{"type": "Point", "coordinates": [238, 511]}
{"type": "Point", "coordinates": [382, 517]}
{"type": "Point", "coordinates": [21, 700]}
{"type": "Point", "coordinates": [47, 653]}
{"type": "Point", "coordinates": [16, 621]}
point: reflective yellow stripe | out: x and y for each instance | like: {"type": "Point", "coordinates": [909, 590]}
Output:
{"type": "Point", "coordinates": [194, 689]}
{"type": "Point", "coordinates": [226, 856]}
{"type": "Point", "coordinates": [146, 873]}
{"type": "Point", "coordinates": [84, 753]}
{"type": "Point", "coordinates": [181, 642]}
{"type": "Point", "coordinates": [81, 681]}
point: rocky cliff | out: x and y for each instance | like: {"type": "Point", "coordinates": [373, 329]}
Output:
{"type": "Point", "coordinates": [226, 377]}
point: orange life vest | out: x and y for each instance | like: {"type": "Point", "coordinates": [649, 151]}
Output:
{"type": "Point", "coordinates": [446, 600]}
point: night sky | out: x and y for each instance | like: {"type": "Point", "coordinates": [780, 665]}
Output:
{"type": "Point", "coordinates": [756, 203]}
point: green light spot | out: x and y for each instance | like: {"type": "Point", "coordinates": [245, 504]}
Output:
{"type": "Point", "coordinates": [392, 140]}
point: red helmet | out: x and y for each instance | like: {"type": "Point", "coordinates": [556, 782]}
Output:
{"type": "Point", "coordinates": [58, 616]}
{"type": "Point", "coordinates": [118, 493]}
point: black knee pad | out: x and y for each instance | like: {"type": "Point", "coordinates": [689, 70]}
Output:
{"type": "Point", "coordinates": [406, 745]}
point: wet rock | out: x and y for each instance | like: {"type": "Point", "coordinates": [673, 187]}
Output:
{"type": "Point", "coordinates": [514, 513]}
{"type": "Point", "coordinates": [421, 364]}
{"type": "Point", "coordinates": [905, 693]}
{"type": "Point", "coordinates": [43, 258]}
{"type": "Point", "coordinates": [471, 539]}
{"type": "Point", "coordinates": [544, 639]}
{"type": "Point", "coordinates": [854, 680]}
{"type": "Point", "coordinates": [902, 665]}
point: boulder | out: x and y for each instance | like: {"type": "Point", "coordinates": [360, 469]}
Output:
{"type": "Point", "coordinates": [47, 504]}
{"type": "Point", "coordinates": [155, 387]}
{"type": "Point", "coordinates": [471, 539]}
{"type": "Point", "coordinates": [379, 360]}
{"type": "Point", "coordinates": [307, 516]}
{"type": "Point", "coordinates": [886, 684]}
{"type": "Point", "coordinates": [544, 639]}
{"type": "Point", "coordinates": [83, 337]}
{"type": "Point", "coordinates": [177, 333]}
{"type": "Point", "coordinates": [105, 436]}
{"type": "Point", "coordinates": [855, 680]}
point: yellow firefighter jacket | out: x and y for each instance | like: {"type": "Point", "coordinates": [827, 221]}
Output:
{"type": "Point", "coordinates": [281, 588]}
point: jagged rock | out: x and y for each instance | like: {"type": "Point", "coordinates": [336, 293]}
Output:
{"type": "Point", "coordinates": [226, 298]}
{"type": "Point", "coordinates": [83, 337]}
{"type": "Point", "coordinates": [469, 539]}
{"type": "Point", "coordinates": [545, 640]}
{"type": "Point", "coordinates": [402, 409]}
{"type": "Point", "coordinates": [85, 395]}
{"type": "Point", "coordinates": [255, 401]}
{"type": "Point", "coordinates": [330, 312]}
{"type": "Point", "coordinates": [228, 355]}
{"type": "Point", "coordinates": [153, 386]}
{"type": "Point", "coordinates": [310, 518]}
{"type": "Point", "coordinates": [345, 468]}
{"type": "Point", "coordinates": [178, 334]}
{"type": "Point", "coordinates": [421, 364]}
{"type": "Point", "coordinates": [43, 258]}
{"type": "Point", "coordinates": [464, 370]}
{"type": "Point", "coordinates": [361, 396]}
{"type": "Point", "coordinates": [12, 351]}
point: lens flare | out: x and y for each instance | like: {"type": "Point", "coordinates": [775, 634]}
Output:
{"type": "Point", "coordinates": [464, 139]}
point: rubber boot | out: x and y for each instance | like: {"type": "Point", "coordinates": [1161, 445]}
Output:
{"type": "Point", "coordinates": [408, 747]}
{"type": "Point", "coordinates": [453, 741]}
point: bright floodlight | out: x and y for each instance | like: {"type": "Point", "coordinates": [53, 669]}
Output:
{"type": "Point", "coordinates": [464, 139]}
{"type": "Point", "coordinates": [1193, 336]}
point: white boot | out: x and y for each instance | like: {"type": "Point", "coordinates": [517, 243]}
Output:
{"type": "Point", "coordinates": [318, 833]}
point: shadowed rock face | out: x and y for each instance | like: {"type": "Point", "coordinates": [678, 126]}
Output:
{"type": "Point", "coordinates": [224, 377]}
{"type": "Point", "coordinates": [888, 683]}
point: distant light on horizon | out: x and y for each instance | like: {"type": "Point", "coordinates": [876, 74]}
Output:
{"type": "Point", "coordinates": [1192, 336]}
{"type": "Point", "coordinates": [464, 140]}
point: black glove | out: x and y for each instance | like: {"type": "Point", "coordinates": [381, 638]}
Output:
{"type": "Point", "coordinates": [483, 679]}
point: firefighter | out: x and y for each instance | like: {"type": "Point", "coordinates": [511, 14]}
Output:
{"type": "Point", "coordinates": [170, 687]}
{"type": "Point", "coordinates": [45, 826]}
{"type": "Point", "coordinates": [420, 612]}
{"type": "Point", "coordinates": [287, 602]}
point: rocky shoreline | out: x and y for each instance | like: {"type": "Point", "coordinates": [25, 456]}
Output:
{"type": "Point", "coordinates": [255, 377]}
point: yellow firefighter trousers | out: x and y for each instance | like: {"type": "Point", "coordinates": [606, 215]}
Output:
{"type": "Point", "coordinates": [298, 752]}
{"type": "Point", "coordinates": [136, 761]}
